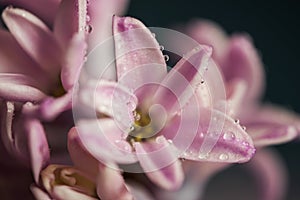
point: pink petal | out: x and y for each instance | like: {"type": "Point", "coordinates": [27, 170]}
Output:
{"type": "Point", "coordinates": [139, 192]}
{"type": "Point", "coordinates": [105, 141]}
{"type": "Point", "coordinates": [265, 134]}
{"type": "Point", "coordinates": [39, 194]}
{"type": "Point", "coordinates": [46, 10]}
{"type": "Point", "coordinates": [243, 62]}
{"type": "Point", "coordinates": [17, 87]}
{"type": "Point", "coordinates": [270, 174]}
{"type": "Point", "coordinates": [271, 125]}
{"type": "Point", "coordinates": [236, 91]}
{"type": "Point", "coordinates": [100, 13]}
{"type": "Point", "coordinates": [110, 98]}
{"type": "Point", "coordinates": [137, 53]}
{"type": "Point", "coordinates": [13, 59]}
{"type": "Point", "coordinates": [108, 176]}
{"type": "Point", "coordinates": [219, 139]}
{"type": "Point", "coordinates": [160, 163]}
{"type": "Point", "coordinates": [70, 19]}
{"type": "Point", "coordinates": [208, 33]}
{"type": "Point", "coordinates": [51, 107]}
{"type": "Point", "coordinates": [34, 37]}
{"type": "Point", "coordinates": [14, 140]}
{"type": "Point", "coordinates": [196, 179]}
{"type": "Point", "coordinates": [67, 183]}
{"type": "Point", "coordinates": [211, 92]}
{"type": "Point", "coordinates": [80, 157]}
{"type": "Point", "coordinates": [181, 81]}
{"type": "Point", "coordinates": [73, 61]}
{"type": "Point", "coordinates": [38, 146]}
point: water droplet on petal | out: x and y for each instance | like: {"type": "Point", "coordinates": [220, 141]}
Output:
{"type": "Point", "coordinates": [153, 34]}
{"type": "Point", "coordinates": [246, 144]}
{"type": "Point", "coordinates": [202, 81]}
{"type": "Point", "coordinates": [131, 128]}
{"type": "Point", "coordinates": [124, 135]}
{"type": "Point", "coordinates": [223, 156]}
{"type": "Point", "coordinates": [229, 136]}
{"type": "Point", "coordinates": [161, 47]}
{"type": "Point", "coordinates": [167, 58]}
{"type": "Point", "coordinates": [88, 18]}
{"type": "Point", "coordinates": [159, 140]}
{"type": "Point", "coordinates": [134, 113]}
{"type": "Point", "coordinates": [201, 135]}
{"type": "Point", "coordinates": [130, 105]}
{"type": "Point", "coordinates": [244, 128]}
{"type": "Point", "coordinates": [170, 141]}
{"type": "Point", "coordinates": [117, 141]}
{"type": "Point", "coordinates": [202, 156]}
{"type": "Point", "coordinates": [137, 117]}
{"type": "Point", "coordinates": [88, 28]}
{"type": "Point", "coordinates": [237, 121]}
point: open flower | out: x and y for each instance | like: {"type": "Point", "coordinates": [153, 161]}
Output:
{"type": "Point", "coordinates": [87, 179]}
{"type": "Point", "coordinates": [152, 116]}
{"type": "Point", "coordinates": [41, 53]}
{"type": "Point", "coordinates": [38, 65]}
{"type": "Point", "coordinates": [243, 74]}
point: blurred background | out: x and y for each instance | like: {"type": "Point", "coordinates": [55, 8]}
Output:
{"type": "Point", "coordinates": [274, 28]}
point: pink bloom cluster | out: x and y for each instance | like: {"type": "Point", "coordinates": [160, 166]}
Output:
{"type": "Point", "coordinates": [146, 117]}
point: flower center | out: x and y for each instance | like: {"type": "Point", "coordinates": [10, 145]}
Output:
{"type": "Point", "coordinates": [58, 91]}
{"type": "Point", "coordinates": [141, 129]}
{"type": "Point", "coordinates": [147, 124]}
{"type": "Point", "coordinates": [71, 177]}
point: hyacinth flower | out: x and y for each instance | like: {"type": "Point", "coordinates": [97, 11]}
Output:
{"type": "Point", "coordinates": [87, 179]}
{"type": "Point", "coordinates": [41, 55]}
{"type": "Point", "coordinates": [137, 120]}
{"type": "Point", "coordinates": [243, 73]}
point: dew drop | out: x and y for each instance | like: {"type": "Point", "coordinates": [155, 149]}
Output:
{"type": "Point", "coordinates": [237, 121]}
{"type": "Point", "coordinates": [197, 48]}
{"type": "Point", "coordinates": [131, 128]}
{"type": "Point", "coordinates": [246, 144]}
{"type": "Point", "coordinates": [130, 105]}
{"type": "Point", "coordinates": [153, 34]}
{"type": "Point", "coordinates": [202, 156]}
{"type": "Point", "coordinates": [170, 141]}
{"type": "Point", "coordinates": [137, 117]}
{"type": "Point", "coordinates": [167, 58]}
{"type": "Point", "coordinates": [161, 47]}
{"type": "Point", "coordinates": [223, 156]}
{"type": "Point", "coordinates": [88, 28]}
{"type": "Point", "coordinates": [124, 135]}
{"type": "Point", "coordinates": [229, 136]}
{"type": "Point", "coordinates": [84, 59]}
{"type": "Point", "coordinates": [134, 113]}
{"type": "Point", "coordinates": [117, 141]}
{"type": "Point", "coordinates": [88, 18]}
{"type": "Point", "coordinates": [201, 135]}
{"type": "Point", "coordinates": [202, 81]}
{"type": "Point", "coordinates": [126, 147]}
{"type": "Point", "coordinates": [159, 140]}
{"type": "Point", "coordinates": [244, 128]}
{"type": "Point", "coordinates": [182, 159]}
